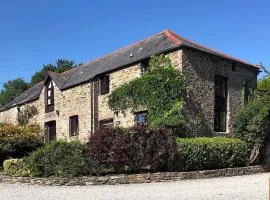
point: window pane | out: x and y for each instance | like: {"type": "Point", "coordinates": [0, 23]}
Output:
{"type": "Point", "coordinates": [105, 84]}
{"type": "Point", "coordinates": [141, 119]}
{"type": "Point", "coordinates": [50, 85]}
{"type": "Point", "coordinates": [106, 124]}
{"type": "Point", "coordinates": [74, 125]}
{"type": "Point", "coordinates": [49, 102]}
{"type": "Point", "coordinates": [220, 87]}
{"type": "Point", "coordinates": [49, 93]}
{"type": "Point", "coordinates": [222, 121]}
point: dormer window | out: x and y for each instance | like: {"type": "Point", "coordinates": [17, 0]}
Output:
{"type": "Point", "coordinates": [49, 96]}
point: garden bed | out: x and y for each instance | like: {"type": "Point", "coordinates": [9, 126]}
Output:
{"type": "Point", "coordinates": [134, 178]}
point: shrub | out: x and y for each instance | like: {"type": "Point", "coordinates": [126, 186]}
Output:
{"type": "Point", "coordinates": [252, 123]}
{"type": "Point", "coordinates": [134, 149]}
{"type": "Point", "coordinates": [58, 159]}
{"type": "Point", "coordinates": [16, 167]}
{"type": "Point", "coordinates": [18, 141]}
{"type": "Point", "coordinates": [212, 153]}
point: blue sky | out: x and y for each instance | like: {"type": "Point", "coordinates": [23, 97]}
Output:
{"type": "Point", "coordinates": [33, 33]}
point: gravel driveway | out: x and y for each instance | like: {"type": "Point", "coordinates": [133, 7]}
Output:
{"type": "Point", "coordinates": [238, 187]}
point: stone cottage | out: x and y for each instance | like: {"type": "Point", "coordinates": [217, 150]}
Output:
{"type": "Point", "coordinates": [73, 104]}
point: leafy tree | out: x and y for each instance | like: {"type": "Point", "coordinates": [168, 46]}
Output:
{"type": "Point", "coordinates": [60, 66]}
{"type": "Point", "coordinates": [252, 121]}
{"type": "Point", "coordinates": [11, 89]}
{"type": "Point", "coordinates": [160, 91]}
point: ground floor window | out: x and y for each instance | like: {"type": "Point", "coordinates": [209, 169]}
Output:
{"type": "Point", "coordinates": [74, 125]}
{"type": "Point", "coordinates": [106, 123]}
{"type": "Point", "coordinates": [220, 121]}
{"type": "Point", "coordinates": [141, 118]}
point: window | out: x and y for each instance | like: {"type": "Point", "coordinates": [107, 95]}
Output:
{"type": "Point", "coordinates": [234, 66]}
{"type": "Point", "coordinates": [49, 96]}
{"type": "Point", "coordinates": [74, 125]}
{"type": "Point", "coordinates": [140, 119]}
{"type": "Point", "coordinates": [107, 123]}
{"type": "Point", "coordinates": [247, 93]}
{"type": "Point", "coordinates": [220, 104]}
{"type": "Point", "coordinates": [144, 66]}
{"type": "Point", "coordinates": [105, 84]}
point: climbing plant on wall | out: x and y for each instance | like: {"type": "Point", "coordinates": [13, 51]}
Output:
{"type": "Point", "coordinates": [26, 114]}
{"type": "Point", "coordinates": [160, 91]}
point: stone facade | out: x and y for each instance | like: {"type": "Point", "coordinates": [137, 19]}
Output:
{"type": "Point", "coordinates": [200, 70]}
{"type": "Point", "coordinates": [9, 116]}
{"type": "Point", "coordinates": [85, 101]}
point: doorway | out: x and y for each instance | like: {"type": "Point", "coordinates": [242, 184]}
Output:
{"type": "Point", "coordinates": [50, 131]}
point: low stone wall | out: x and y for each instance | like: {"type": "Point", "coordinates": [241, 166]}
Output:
{"type": "Point", "coordinates": [134, 178]}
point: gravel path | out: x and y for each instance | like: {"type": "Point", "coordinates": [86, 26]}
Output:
{"type": "Point", "coordinates": [238, 187]}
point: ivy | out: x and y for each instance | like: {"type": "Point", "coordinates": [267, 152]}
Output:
{"type": "Point", "coordinates": [26, 114]}
{"type": "Point", "coordinates": [160, 91]}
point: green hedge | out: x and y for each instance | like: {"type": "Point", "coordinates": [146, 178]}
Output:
{"type": "Point", "coordinates": [211, 153]}
{"type": "Point", "coordinates": [64, 159]}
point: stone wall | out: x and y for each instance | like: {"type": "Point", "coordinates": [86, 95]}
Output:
{"type": "Point", "coordinates": [200, 70]}
{"type": "Point", "coordinates": [134, 178]}
{"type": "Point", "coordinates": [118, 78]}
{"type": "Point", "coordinates": [74, 101]}
{"type": "Point", "coordinates": [9, 116]}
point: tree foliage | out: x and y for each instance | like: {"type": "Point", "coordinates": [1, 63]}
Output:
{"type": "Point", "coordinates": [11, 89]}
{"type": "Point", "coordinates": [14, 88]}
{"type": "Point", "coordinates": [160, 91]}
{"type": "Point", "coordinates": [252, 121]}
{"type": "Point", "coordinates": [60, 66]}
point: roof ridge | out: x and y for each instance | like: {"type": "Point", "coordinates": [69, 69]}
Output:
{"type": "Point", "coordinates": [125, 47]}
{"type": "Point", "coordinates": [177, 38]}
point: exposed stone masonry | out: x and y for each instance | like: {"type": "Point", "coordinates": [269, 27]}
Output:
{"type": "Point", "coordinates": [133, 178]}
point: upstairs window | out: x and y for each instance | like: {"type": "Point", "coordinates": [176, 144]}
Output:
{"type": "Point", "coordinates": [74, 125]}
{"type": "Point", "coordinates": [140, 119]}
{"type": "Point", "coordinates": [104, 84]}
{"type": "Point", "coordinates": [144, 66]}
{"type": "Point", "coordinates": [220, 86]}
{"type": "Point", "coordinates": [49, 96]}
{"type": "Point", "coordinates": [220, 104]}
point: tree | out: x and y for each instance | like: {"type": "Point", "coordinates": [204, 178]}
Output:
{"type": "Point", "coordinates": [160, 91]}
{"type": "Point", "coordinates": [60, 66]}
{"type": "Point", "coordinates": [12, 89]}
{"type": "Point", "coordinates": [252, 121]}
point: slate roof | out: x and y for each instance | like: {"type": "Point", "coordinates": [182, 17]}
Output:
{"type": "Point", "coordinates": [31, 94]}
{"type": "Point", "coordinates": [159, 43]}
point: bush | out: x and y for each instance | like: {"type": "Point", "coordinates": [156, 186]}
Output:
{"type": "Point", "coordinates": [211, 153]}
{"type": "Point", "coordinates": [16, 167]}
{"type": "Point", "coordinates": [134, 149]}
{"type": "Point", "coordinates": [18, 141]}
{"type": "Point", "coordinates": [64, 159]}
{"type": "Point", "coordinates": [252, 123]}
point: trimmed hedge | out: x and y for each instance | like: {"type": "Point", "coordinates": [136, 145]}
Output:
{"type": "Point", "coordinates": [134, 149]}
{"type": "Point", "coordinates": [63, 159]}
{"type": "Point", "coordinates": [16, 167]}
{"type": "Point", "coordinates": [18, 141]}
{"type": "Point", "coordinates": [211, 153]}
